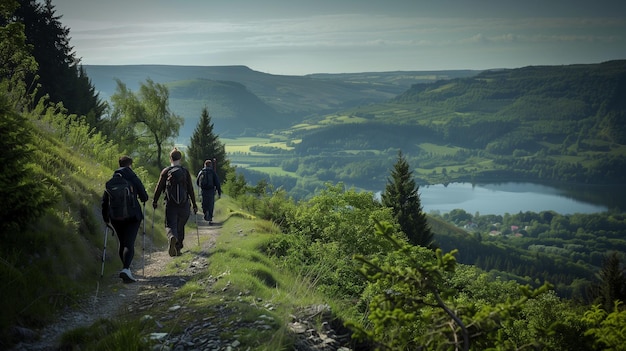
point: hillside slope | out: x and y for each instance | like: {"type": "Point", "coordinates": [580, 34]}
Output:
{"type": "Point", "coordinates": [552, 123]}
{"type": "Point", "coordinates": [281, 98]}
{"type": "Point", "coordinates": [548, 102]}
{"type": "Point", "coordinates": [233, 108]}
{"type": "Point", "coordinates": [54, 259]}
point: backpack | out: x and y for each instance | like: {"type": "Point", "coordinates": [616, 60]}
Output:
{"type": "Point", "coordinates": [121, 198]}
{"type": "Point", "coordinates": [176, 185]}
{"type": "Point", "coordinates": [206, 179]}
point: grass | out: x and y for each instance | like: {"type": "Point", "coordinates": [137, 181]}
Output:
{"type": "Point", "coordinates": [439, 149]}
{"type": "Point", "coordinates": [57, 258]}
{"type": "Point", "coordinates": [274, 171]}
{"type": "Point", "coordinates": [107, 335]}
{"type": "Point", "coordinates": [240, 282]}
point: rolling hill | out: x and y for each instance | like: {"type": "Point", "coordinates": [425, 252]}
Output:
{"type": "Point", "coordinates": [242, 101]}
{"type": "Point", "coordinates": [537, 123]}
{"type": "Point", "coordinates": [500, 111]}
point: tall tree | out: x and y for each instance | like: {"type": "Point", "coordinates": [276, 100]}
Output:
{"type": "Point", "coordinates": [401, 195]}
{"type": "Point", "coordinates": [60, 75]}
{"type": "Point", "coordinates": [205, 144]}
{"type": "Point", "coordinates": [612, 282]}
{"type": "Point", "coordinates": [24, 196]}
{"type": "Point", "coordinates": [146, 115]}
{"type": "Point", "coordinates": [16, 61]}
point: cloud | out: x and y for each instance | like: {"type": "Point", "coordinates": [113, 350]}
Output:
{"type": "Point", "coordinates": [305, 43]}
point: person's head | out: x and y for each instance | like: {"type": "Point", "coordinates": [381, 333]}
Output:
{"type": "Point", "coordinates": [175, 155]}
{"type": "Point", "coordinates": [125, 161]}
{"type": "Point", "coordinates": [207, 163]}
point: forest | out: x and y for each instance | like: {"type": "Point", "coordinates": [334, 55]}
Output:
{"type": "Point", "coordinates": [566, 250]}
{"type": "Point", "coordinates": [545, 124]}
{"type": "Point", "coordinates": [401, 279]}
{"type": "Point", "coordinates": [551, 124]}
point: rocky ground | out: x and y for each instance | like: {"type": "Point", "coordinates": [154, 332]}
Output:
{"type": "Point", "coordinates": [112, 298]}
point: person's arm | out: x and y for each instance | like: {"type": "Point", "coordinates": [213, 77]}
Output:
{"type": "Point", "coordinates": [198, 178]}
{"type": "Point", "coordinates": [141, 190]}
{"type": "Point", "coordinates": [216, 181]}
{"type": "Point", "coordinates": [191, 193]}
{"type": "Point", "coordinates": [105, 207]}
{"type": "Point", "coordinates": [160, 187]}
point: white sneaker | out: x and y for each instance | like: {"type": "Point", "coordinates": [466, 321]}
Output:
{"type": "Point", "coordinates": [127, 276]}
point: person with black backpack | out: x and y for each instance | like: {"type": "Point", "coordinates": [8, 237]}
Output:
{"type": "Point", "coordinates": [175, 181]}
{"type": "Point", "coordinates": [122, 212]}
{"type": "Point", "coordinates": [208, 182]}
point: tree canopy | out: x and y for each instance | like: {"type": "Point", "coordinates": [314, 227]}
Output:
{"type": "Point", "coordinates": [204, 144]}
{"type": "Point", "coordinates": [144, 119]}
{"type": "Point", "coordinates": [401, 195]}
{"type": "Point", "coordinates": [60, 75]}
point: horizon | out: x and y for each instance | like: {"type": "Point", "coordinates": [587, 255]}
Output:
{"type": "Point", "coordinates": [361, 72]}
{"type": "Point", "coordinates": [300, 38]}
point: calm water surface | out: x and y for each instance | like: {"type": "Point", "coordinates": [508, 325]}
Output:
{"type": "Point", "coordinates": [515, 197]}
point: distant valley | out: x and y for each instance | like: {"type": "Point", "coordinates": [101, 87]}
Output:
{"type": "Point", "coordinates": [242, 101]}
{"type": "Point", "coordinates": [543, 124]}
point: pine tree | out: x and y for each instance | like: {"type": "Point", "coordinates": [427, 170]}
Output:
{"type": "Point", "coordinates": [401, 195]}
{"type": "Point", "coordinates": [60, 75]}
{"type": "Point", "coordinates": [205, 144]}
{"type": "Point", "coordinates": [612, 282]}
{"type": "Point", "coordinates": [16, 61]}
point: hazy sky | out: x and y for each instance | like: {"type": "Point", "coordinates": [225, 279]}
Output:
{"type": "Point", "coordinates": [334, 36]}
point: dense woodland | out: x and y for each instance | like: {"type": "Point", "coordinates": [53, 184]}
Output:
{"type": "Point", "coordinates": [554, 124]}
{"type": "Point", "coordinates": [566, 250]}
{"type": "Point", "coordinates": [405, 280]}
{"type": "Point", "coordinates": [562, 123]}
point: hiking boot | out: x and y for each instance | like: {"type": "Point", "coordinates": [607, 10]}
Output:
{"type": "Point", "coordinates": [178, 252]}
{"type": "Point", "coordinates": [206, 216]}
{"type": "Point", "coordinates": [172, 250]}
{"type": "Point", "coordinates": [126, 276]}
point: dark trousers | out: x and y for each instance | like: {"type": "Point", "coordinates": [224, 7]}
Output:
{"type": "Point", "coordinates": [126, 232]}
{"type": "Point", "coordinates": [175, 219]}
{"type": "Point", "coordinates": [208, 203]}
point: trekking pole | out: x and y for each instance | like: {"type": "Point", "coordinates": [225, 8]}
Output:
{"type": "Point", "coordinates": [143, 258]}
{"type": "Point", "coordinates": [196, 215]}
{"type": "Point", "coordinates": [104, 249]}
{"type": "Point", "coordinates": [197, 229]}
{"type": "Point", "coordinates": [153, 210]}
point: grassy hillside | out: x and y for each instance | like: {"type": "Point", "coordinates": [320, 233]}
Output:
{"type": "Point", "coordinates": [242, 99]}
{"type": "Point", "coordinates": [547, 124]}
{"type": "Point", "coordinates": [563, 124]}
{"type": "Point", "coordinates": [232, 107]}
{"type": "Point", "coordinates": [55, 259]}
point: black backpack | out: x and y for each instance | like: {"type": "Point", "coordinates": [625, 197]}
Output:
{"type": "Point", "coordinates": [121, 198]}
{"type": "Point", "coordinates": [206, 179]}
{"type": "Point", "coordinates": [176, 185]}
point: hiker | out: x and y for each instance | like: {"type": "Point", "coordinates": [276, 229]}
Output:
{"type": "Point", "coordinates": [175, 181]}
{"type": "Point", "coordinates": [126, 229]}
{"type": "Point", "coordinates": [208, 182]}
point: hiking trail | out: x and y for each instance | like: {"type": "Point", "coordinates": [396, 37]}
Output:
{"type": "Point", "coordinates": [112, 297]}
{"type": "Point", "coordinates": [113, 300]}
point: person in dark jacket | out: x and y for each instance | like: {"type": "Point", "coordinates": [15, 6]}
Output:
{"type": "Point", "coordinates": [126, 230]}
{"type": "Point", "coordinates": [208, 193]}
{"type": "Point", "coordinates": [176, 214]}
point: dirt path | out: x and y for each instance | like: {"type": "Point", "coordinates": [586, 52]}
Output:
{"type": "Point", "coordinates": [111, 297]}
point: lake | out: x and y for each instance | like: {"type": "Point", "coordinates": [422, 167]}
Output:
{"type": "Point", "coordinates": [515, 197]}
